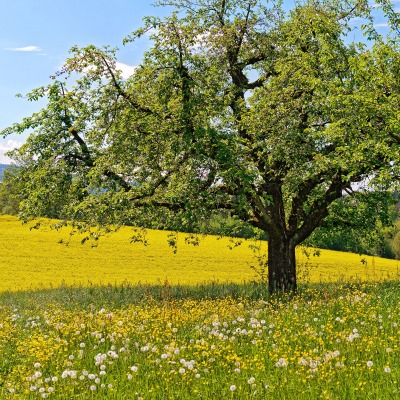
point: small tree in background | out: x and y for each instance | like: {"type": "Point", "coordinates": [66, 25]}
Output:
{"type": "Point", "coordinates": [238, 106]}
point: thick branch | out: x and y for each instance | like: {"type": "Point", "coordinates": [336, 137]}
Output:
{"type": "Point", "coordinates": [304, 190]}
{"type": "Point", "coordinates": [122, 92]}
{"type": "Point", "coordinates": [161, 180]}
{"type": "Point", "coordinates": [319, 210]}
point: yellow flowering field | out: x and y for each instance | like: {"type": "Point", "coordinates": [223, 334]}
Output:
{"type": "Point", "coordinates": [341, 342]}
{"type": "Point", "coordinates": [34, 259]}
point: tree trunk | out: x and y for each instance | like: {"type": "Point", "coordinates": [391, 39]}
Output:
{"type": "Point", "coordinates": [281, 265]}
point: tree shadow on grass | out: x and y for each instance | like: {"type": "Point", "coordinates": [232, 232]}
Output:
{"type": "Point", "coordinates": [117, 296]}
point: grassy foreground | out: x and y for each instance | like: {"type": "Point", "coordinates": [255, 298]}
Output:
{"type": "Point", "coordinates": [34, 259]}
{"type": "Point", "coordinates": [332, 341]}
{"type": "Point", "coordinates": [75, 323]}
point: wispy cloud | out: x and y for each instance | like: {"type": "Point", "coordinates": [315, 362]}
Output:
{"type": "Point", "coordinates": [126, 70]}
{"type": "Point", "coordinates": [25, 49]}
{"type": "Point", "coordinates": [356, 20]}
{"type": "Point", "coordinates": [381, 25]}
{"type": "Point", "coordinates": [7, 146]}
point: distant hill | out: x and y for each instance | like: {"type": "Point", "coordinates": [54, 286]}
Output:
{"type": "Point", "coordinates": [2, 168]}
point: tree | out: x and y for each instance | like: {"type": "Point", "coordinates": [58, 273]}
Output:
{"type": "Point", "coordinates": [10, 192]}
{"type": "Point", "coordinates": [362, 223]}
{"type": "Point", "coordinates": [237, 106]}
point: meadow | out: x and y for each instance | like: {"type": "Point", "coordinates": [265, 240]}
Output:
{"type": "Point", "coordinates": [127, 321]}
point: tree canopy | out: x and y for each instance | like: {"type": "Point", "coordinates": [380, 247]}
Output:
{"type": "Point", "coordinates": [238, 105]}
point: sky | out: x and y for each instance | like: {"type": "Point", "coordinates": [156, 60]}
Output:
{"type": "Point", "coordinates": [36, 35]}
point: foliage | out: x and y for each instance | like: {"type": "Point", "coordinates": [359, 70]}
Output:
{"type": "Point", "coordinates": [336, 341]}
{"type": "Point", "coordinates": [2, 168]}
{"type": "Point", "coordinates": [237, 106]}
{"type": "Point", "coordinates": [224, 224]}
{"type": "Point", "coordinates": [395, 242]}
{"type": "Point", "coordinates": [11, 191]}
{"type": "Point", "coordinates": [362, 223]}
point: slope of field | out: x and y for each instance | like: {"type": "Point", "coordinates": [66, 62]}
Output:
{"type": "Point", "coordinates": [34, 259]}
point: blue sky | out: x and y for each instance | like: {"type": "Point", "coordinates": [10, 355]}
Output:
{"type": "Point", "coordinates": [35, 36]}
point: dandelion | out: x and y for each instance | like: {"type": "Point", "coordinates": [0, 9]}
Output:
{"type": "Point", "coordinates": [281, 363]}
{"type": "Point", "coordinates": [93, 388]}
{"type": "Point", "coordinates": [251, 380]}
{"type": "Point", "coordinates": [387, 370]}
{"type": "Point", "coordinates": [134, 368]}
{"type": "Point", "coordinates": [232, 388]}
{"type": "Point", "coordinates": [370, 364]}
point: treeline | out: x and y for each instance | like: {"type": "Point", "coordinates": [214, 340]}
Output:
{"type": "Point", "coordinates": [369, 226]}
{"type": "Point", "coordinates": [382, 240]}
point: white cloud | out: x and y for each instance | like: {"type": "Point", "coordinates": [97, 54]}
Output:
{"type": "Point", "coordinates": [126, 70]}
{"type": "Point", "coordinates": [7, 146]}
{"type": "Point", "coordinates": [151, 31]}
{"type": "Point", "coordinates": [381, 25]}
{"type": "Point", "coordinates": [25, 49]}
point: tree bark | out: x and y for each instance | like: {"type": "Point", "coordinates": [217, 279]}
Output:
{"type": "Point", "coordinates": [281, 265]}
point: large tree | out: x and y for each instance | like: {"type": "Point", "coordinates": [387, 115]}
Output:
{"type": "Point", "coordinates": [238, 105]}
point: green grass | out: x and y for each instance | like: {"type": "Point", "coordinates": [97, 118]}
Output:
{"type": "Point", "coordinates": [331, 341]}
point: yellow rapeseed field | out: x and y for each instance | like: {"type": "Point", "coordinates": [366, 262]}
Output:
{"type": "Point", "coordinates": [34, 259]}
